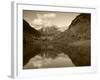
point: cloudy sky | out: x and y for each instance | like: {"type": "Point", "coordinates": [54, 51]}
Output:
{"type": "Point", "coordinates": [46, 18]}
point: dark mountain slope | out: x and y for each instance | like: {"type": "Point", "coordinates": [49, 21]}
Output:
{"type": "Point", "coordinates": [79, 29]}
{"type": "Point", "coordinates": [28, 29]}
{"type": "Point", "coordinates": [80, 26]}
{"type": "Point", "coordinates": [30, 49]}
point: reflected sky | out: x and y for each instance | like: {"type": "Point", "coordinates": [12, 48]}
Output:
{"type": "Point", "coordinates": [61, 60]}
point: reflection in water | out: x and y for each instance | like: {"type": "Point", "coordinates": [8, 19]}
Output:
{"type": "Point", "coordinates": [49, 58]}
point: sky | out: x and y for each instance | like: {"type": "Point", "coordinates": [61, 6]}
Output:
{"type": "Point", "coordinates": [39, 19]}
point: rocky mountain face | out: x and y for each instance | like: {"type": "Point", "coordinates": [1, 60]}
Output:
{"type": "Point", "coordinates": [52, 30]}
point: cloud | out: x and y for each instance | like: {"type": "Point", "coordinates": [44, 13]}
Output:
{"type": "Point", "coordinates": [49, 15]}
{"type": "Point", "coordinates": [38, 21]}
{"type": "Point", "coordinates": [44, 19]}
{"type": "Point", "coordinates": [46, 16]}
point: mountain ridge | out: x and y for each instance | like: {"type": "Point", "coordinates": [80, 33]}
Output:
{"type": "Point", "coordinates": [78, 29]}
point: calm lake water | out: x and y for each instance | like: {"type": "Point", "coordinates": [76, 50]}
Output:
{"type": "Point", "coordinates": [49, 57]}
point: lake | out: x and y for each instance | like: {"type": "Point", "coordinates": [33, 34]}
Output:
{"type": "Point", "coordinates": [49, 57]}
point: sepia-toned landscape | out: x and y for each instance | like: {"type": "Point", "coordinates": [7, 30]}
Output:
{"type": "Point", "coordinates": [56, 39]}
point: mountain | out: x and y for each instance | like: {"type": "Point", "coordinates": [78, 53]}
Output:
{"type": "Point", "coordinates": [28, 29]}
{"type": "Point", "coordinates": [30, 49]}
{"type": "Point", "coordinates": [79, 29]}
{"type": "Point", "coordinates": [80, 26]}
{"type": "Point", "coordinates": [50, 32]}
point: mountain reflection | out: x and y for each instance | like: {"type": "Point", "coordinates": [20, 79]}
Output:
{"type": "Point", "coordinates": [49, 57]}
